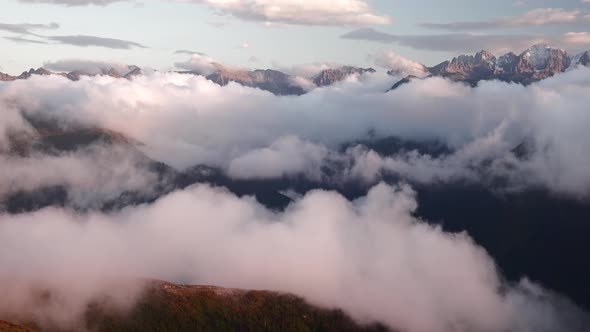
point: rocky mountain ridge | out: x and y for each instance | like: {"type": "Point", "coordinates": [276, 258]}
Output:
{"type": "Point", "coordinates": [270, 80]}
{"type": "Point", "coordinates": [532, 65]}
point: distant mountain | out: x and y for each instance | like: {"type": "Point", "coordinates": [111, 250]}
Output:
{"type": "Point", "coordinates": [76, 74]}
{"type": "Point", "coordinates": [265, 79]}
{"type": "Point", "coordinates": [333, 75]}
{"type": "Point", "coordinates": [6, 77]}
{"type": "Point", "coordinates": [534, 64]}
{"type": "Point", "coordinates": [274, 81]}
{"type": "Point", "coordinates": [39, 71]}
{"type": "Point", "coordinates": [582, 59]}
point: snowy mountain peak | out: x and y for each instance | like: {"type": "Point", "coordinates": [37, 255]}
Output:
{"type": "Point", "coordinates": [580, 59]}
{"type": "Point", "coordinates": [541, 56]}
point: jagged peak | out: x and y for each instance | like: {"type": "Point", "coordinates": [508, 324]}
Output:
{"type": "Point", "coordinates": [484, 55]}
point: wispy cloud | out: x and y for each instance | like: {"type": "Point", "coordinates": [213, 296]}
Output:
{"type": "Point", "coordinates": [74, 2]}
{"type": "Point", "coordinates": [30, 29]}
{"type": "Point", "coordinates": [27, 28]}
{"type": "Point", "coordinates": [22, 40]}
{"type": "Point", "coordinates": [300, 12]}
{"type": "Point", "coordinates": [85, 41]}
{"type": "Point", "coordinates": [466, 42]}
{"type": "Point", "coordinates": [535, 17]}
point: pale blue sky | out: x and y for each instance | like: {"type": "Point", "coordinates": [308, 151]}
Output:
{"type": "Point", "coordinates": [164, 26]}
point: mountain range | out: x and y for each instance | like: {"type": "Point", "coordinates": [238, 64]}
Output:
{"type": "Point", "coordinates": [270, 80]}
{"type": "Point", "coordinates": [532, 65]}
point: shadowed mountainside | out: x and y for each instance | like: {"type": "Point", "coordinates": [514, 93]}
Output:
{"type": "Point", "coordinates": [164, 306]}
{"type": "Point", "coordinates": [10, 327]}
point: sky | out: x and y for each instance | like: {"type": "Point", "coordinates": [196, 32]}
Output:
{"type": "Point", "coordinates": [279, 33]}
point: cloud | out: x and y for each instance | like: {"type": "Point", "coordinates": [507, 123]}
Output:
{"type": "Point", "coordinates": [370, 257]}
{"type": "Point", "coordinates": [200, 63]}
{"type": "Point", "coordinates": [218, 24]}
{"type": "Point", "coordinates": [25, 40]}
{"type": "Point", "coordinates": [464, 42]}
{"type": "Point", "coordinates": [307, 70]}
{"type": "Point", "coordinates": [297, 12]}
{"type": "Point", "coordinates": [74, 2]}
{"type": "Point", "coordinates": [535, 17]}
{"type": "Point", "coordinates": [85, 41]}
{"type": "Point", "coordinates": [186, 120]}
{"type": "Point", "coordinates": [290, 12]}
{"type": "Point", "coordinates": [188, 52]}
{"type": "Point", "coordinates": [577, 38]}
{"type": "Point", "coordinates": [399, 64]}
{"type": "Point", "coordinates": [81, 41]}
{"type": "Point", "coordinates": [286, 156]}
{"type": "Point", "coordinates": [86, 66]}
{"type": "Point", "coordinates": [76, 40]}
{"type": "Point", "coordinates": [27, 28]}
{"type": "Point", "coordinates": [131, 174]}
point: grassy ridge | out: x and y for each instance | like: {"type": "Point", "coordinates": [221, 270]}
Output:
{"type": "Point", "coordinates": [10, 327]}
{"type": "Point", "coordinates": [169, 307]}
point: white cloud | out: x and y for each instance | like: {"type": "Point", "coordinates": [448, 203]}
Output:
{"type": "Point", "coordinates": [185, 120]}
{"type": "Point", "coordinates": [370, 257]}
{"type": "Point", "coordinates": [200, 63]}
{"type": "Point", "coordinates": [577, 38]}
{"type": "Point", "coordinates": [74, 2]}
{"type": "Point", "coordinates": [534, 17]}
{"type": "Point", "coordinates": [399, 64]}
{"type": "Point", "coordinates": [287, 156]}
{"type": "Point", "coordinates": [469, 42]}
{"type": "Point", "coordinates": [300, 12]}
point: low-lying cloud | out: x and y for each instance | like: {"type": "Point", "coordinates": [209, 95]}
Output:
{"type": "Point", "coordinates": [370, 257]}
{"type": "Point", "coordinates": [186, 120]}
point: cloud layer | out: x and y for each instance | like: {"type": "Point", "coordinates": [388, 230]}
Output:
{"type": "Point", "coordinates": [298, 12]}
{"type": "Point", "coordinates": [185, 120]}
{"type": "Point", "coordinates": [295, 12]}
{"type": "Point", "coordinates": [535, 17]}
{"type": "Point", "coordinates": [370, 257]}
{"type": "Point", "coordinates": [469, 42]}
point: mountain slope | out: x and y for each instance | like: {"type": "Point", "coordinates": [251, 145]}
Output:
{"type": "Point", "coordinates": [6, 78]}
{"type": "Point", "coordinates": [10, 327]}
{"type": "Point", "coordinates": [165, 306]}
{"type": "Point", "coordinates": [265, 79]}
